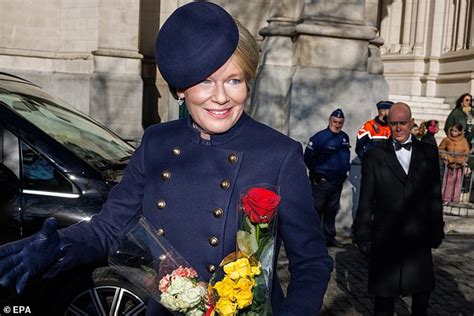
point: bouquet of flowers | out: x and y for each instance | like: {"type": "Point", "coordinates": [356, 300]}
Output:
{"type": "Point", "coordinates": [242, 285]}
{"type": "Point", "coordinates": [147, 260]}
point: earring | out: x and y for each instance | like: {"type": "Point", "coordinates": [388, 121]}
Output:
{"type": "Point", "coordinates": [180, 101]}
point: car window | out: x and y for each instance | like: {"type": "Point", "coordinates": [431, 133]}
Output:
{"type": "Point", "coordinates": [79, 133]}
{"type": "Point", "coordinates": [41, 177]}
{"type": "Point", "coordinates": [10, 151]}
{"type": "Point", "coordinates": [9, 167]}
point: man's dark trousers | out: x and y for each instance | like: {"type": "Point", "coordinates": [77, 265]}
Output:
{"type": "Point", "coordinates": [326, 197]}
{"type": "Point", "coordinates": [386, 306]}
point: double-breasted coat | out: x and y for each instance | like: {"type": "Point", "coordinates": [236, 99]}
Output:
{"type": "Point", "coordinates": [188, 189]}
{"type": "Point", "coordinates": [401, 214]}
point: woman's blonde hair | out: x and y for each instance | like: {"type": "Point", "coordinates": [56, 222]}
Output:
{"type": "Point", "coordinates": [246, 52]}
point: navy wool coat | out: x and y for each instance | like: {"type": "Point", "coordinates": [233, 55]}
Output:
{"type": "Point", "coordinates": [402, 216]}
{"type": "Point", "coordinates": [189, 189]}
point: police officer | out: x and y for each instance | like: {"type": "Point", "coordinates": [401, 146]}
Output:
{"type": "Point", "coordinates": [374, 130]}
{"type": "Point", "coordinates": [327, 157]}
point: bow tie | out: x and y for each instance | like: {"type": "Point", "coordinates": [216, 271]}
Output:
{"type": "Point", "coordinates": [399, 146]}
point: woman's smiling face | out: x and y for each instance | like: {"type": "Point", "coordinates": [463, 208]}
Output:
{"type": "Point", "coordinates": [216, 103]}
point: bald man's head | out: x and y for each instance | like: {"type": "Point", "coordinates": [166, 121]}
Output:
{"type": "Point", "coordinates": [400, 106]}
{"type": "Point", "coordinates": [400, 121]}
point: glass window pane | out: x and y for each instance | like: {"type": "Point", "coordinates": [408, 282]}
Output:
{"type": "Point", "coordinates": [76, 131]}
{"type": "Point", "coordinates": [40, 175]}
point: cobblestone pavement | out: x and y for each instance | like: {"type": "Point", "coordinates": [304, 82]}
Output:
{"type": "Point", "coordinates": [454, 273]}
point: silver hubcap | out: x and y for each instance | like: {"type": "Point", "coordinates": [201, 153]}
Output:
{"type": "Point", "coordinates": [106, 301]}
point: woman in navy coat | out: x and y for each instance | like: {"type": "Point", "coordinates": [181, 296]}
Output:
{"type": "Point", "coordinates": [187, 175]}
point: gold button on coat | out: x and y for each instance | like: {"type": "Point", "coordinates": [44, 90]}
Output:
{"type": "Point", "coordinates": [176, 151]}
{"type": "Point", "coordinates": [166, 175]}
{"type": "Point", "coordinates": [232, 158]}
{"type": "Point", "coordinates": [160, 231]}
{"type": "Point", "coordinates": [225, 184]}
{"type": "Point", "coordinates": [211, 268]}
{"type": "Point", "coordinates": [213, 241]}
{"type": "Point", "coordinates": [160, 204]}
{"type": "Point", "coordinates": [218, 212]}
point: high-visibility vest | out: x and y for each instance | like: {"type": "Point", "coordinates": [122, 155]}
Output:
{"type": "Point", "coordinates": [374, 131]}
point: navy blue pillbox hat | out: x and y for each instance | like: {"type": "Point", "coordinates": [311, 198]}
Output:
{"type": "Point", "coordinates": [383, 105]}
{"type": "Point", "coordinates": [196, 40]}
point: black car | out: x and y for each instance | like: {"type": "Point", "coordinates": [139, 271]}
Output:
{"type": "Point", "coordinates": [58, 162]}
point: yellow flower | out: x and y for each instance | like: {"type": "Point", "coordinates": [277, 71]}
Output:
{"type": "Point", "coordinates": [225, 288]}
{"type": "Point", "coordinates": [238, 268]}
{"type": "Point", "coordinates": [244, 284]}
{"type": "Point", "coordinates": [226, 307]}
{"type": "Point", "coordinates": [244, 298]}
{"type": "Point", "coordinates": [255, 270]}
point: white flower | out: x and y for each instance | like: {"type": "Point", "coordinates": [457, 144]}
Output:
{"type": "Point", "coordinates": [179, 285]}
{"type": "Point", "coordinates": [192, 296]}
{"type": "Point", "coordinates": [195, 312]}
{"type": "Point", "coordinates": [168, 301]}
{"type": "Point", "coordinates": [183, 295]}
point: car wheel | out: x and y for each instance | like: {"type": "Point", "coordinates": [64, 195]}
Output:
{"type": "Point", "coordinates": [107, 294]}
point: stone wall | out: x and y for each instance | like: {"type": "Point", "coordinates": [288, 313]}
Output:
{"type": "Point", "coordinates": [428, 49]}
{"type": "Point", "coordinates": [86, 52]}
{"type": "Point", "coordinates": [317, 56]}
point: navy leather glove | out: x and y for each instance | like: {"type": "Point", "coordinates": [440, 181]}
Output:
{"type": "Point", "coordinates": [23, 259]}
{"type": "Point", "coordinates": [364, 247]}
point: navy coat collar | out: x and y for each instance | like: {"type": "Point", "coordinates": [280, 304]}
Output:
{"type": "Point", "coordinates": [218, 139]}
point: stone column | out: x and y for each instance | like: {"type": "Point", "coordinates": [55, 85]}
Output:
{"type": "Point", "coordinates": [270, 102]}
{"type": "Point", "coordinates": [462, 28]}
{"type": "Point", "coordinates": [449, 26]}
{"type": "Point", "coordinates": [407, 27]}
{"type": "Point", "coordinates": [371, 12]}
{"type": "Point", "coordinates": [384, 30]}
{"type": "Point", "coordinates": [436, 47]}
{"type": "Point", "coordinates": [374, 62]}
{"type": "Point", "coordinates": [394, 28]}
{"type": "Point", "coordinates": [420, 28]}
{"type": "Point", "coordinates": [471, 32]}
{"type": "Point", "coordinates": [313, 62]}
{"type": "Point", "coordinates": [116, 85]}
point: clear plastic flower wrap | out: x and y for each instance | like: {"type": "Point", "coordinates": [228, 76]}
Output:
{"type": "Point", "coordinates": [242, 285]}
{"type": "Point", "coordinates": [151, 263]}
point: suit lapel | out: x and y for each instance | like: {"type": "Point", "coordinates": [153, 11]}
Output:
{"type": "Point", "coordinates": [416, 156]}
{"type": "Point", "coordinates": [392, 161]}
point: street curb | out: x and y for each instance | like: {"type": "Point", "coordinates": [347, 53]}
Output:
{"type": "Point", "coordinates": [458, 224]}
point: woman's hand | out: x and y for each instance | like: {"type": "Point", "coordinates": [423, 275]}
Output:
{"type": "Point", "coordinates": [28, 257]}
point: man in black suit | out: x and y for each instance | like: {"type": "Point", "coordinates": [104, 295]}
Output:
{"type": "Point", "coordinates": [399, 218]}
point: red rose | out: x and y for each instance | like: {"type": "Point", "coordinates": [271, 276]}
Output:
{"type": "Point", "coordinates": [260, 205]}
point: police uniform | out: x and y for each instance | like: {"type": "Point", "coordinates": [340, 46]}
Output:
{"type": "Point", "coordinates": [372, 132]}
{"type": "Point", "coordinates": [188, 189]}
{"type": "Point", "coordinates": [327, 157]}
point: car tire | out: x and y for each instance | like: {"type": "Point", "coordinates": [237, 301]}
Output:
{"type": "Point", "coordinates": [102, 293]}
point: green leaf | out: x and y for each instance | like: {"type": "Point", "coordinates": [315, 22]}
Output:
{"type": "Point", "coordinates": [263, 225]}
{"type": "Point", "coordinates": [247, 224]}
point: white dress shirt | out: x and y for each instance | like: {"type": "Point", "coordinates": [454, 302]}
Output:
{"type": "Point", "coordinates": [404, 156]}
